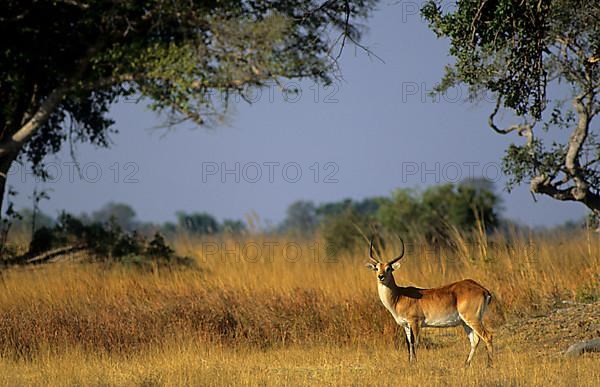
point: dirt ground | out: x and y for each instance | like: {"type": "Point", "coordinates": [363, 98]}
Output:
{"type": "Point", "coordinates": [554, 332]}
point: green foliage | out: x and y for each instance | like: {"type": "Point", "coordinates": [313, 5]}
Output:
{"type": "Point", "coordinates": [430, 213]}
{"type": "Point", "coordinates": [498, 45]}
{"type": "Point", "coordinates": [169, 228]}
{"type": "Point", "coordinates": [105, 242]}
{"type": "Point", "coordinates": [365, 207]}
{"type": "Point", "coordinates": [516, 50]}
{"type": "Point", "coordinates": [182, 55]}
{"type": "Point", "coordinates": [157, 247]}
{"type": "Point", "coordinates": [120, 213]}
{"type": "Point", "coordinates": [345, 224]}
{"type": "Point", "coordinates": [197, 223]}
{"type": "Point", "coordinates": [235, 227]}
{"type": "Point", "coordinates": [523, 163]}
{"type": "Point", "coordinates": [402, 213]}
{"type": "Point", "coordinates": [301, 218]}
{"type": "Point", "coordinates": [342, 232]}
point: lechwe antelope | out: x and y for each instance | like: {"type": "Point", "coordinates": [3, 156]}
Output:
{"type": "Point", "coordinates": [460, 303]}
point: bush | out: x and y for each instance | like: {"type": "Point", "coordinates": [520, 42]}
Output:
{"type": "Point", "coordinates": [105, 242]}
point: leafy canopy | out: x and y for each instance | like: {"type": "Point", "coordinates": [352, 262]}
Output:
{"type": "Point", "coordinates": [86, 54]}
{"type": "Point", "coordinates": [527, 54]}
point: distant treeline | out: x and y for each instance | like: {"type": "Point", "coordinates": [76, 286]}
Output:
{"type": "Point", "coordinates": [125, 217]}
{"type": "Point", "coordinates": [431, 214]}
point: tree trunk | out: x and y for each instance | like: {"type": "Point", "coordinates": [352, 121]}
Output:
{"type": "Point", "coordinates": [5, 163]}
{"type": "Point", "coordinates": [575, 173]}
{"type": "Point", "coordinates": [12, 145]}
{"type": "Point", "coordinates": [2, 186]}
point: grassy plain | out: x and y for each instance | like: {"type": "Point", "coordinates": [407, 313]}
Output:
{"type": "Point", "coordinates": [276, 311]}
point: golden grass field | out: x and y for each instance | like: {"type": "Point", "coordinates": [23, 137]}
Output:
{"type": "Point", "coordinates": [264, 311]}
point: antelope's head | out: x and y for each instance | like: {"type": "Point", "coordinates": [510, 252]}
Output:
{"type": "Point", "coordinates": [384, 270]}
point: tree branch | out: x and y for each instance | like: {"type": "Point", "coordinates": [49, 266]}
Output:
{"type": "Point", "coordinates": [542, 184]}
{"type": "Point", "coordinates": [576, 141]}
{"type": "Point", "coordinates": [15, 142]}
{"type": "Point", "coordinates": [20, 137]}
{"type": "Point", "coordinates": [524, 130]}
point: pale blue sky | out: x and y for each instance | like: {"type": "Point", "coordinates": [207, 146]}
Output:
{"type": "Point", "coordinates": [373, 132]}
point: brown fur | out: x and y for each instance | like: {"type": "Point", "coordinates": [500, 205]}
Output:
{"type": "Point", "coordinates": [459, 303]}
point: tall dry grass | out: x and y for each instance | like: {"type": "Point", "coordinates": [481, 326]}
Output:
{"type": "Point", "coordinates": [194, 364]}
{"type": "Point", "coordinates": [273, 293]}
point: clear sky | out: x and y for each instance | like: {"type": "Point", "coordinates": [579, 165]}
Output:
{"type": "Point", "coordinates": [374, 131]}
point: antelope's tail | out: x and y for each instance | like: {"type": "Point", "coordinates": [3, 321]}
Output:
{"type": "Point", "coordinates": [488, 297]}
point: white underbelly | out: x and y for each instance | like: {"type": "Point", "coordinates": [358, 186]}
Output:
{"type": "Point", "coordinates": [451, 320]}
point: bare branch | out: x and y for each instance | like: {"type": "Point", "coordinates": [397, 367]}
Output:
{"type": "Point", "coordinates": [345, 33]}
{"type": "Point", "coordinates": [524, 130]}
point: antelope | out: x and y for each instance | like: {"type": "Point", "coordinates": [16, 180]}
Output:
{"type": "Point", "coordinates": [459, 303]}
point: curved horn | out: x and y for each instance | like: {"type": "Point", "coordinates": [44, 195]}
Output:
{"type": "Point", "coordinates": [398, 257]}
{"type": "Point", "coordinates": [371, 251]}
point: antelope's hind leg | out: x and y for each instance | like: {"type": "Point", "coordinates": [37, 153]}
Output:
{"type": "Point", "coordinates": [479, 329]}
{"type": "Point", "coordinates": [474, 340]}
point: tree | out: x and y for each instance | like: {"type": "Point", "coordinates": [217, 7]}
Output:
{"type": "Point", "coordinates": [197, 223]}
{"type": "Point", "coordinates": [342, 231]}
{"type": "Point", "coordinates": [345, 224]}
{"type": "Point", "coordinates": [235, 227]}
{"type": "Point", "coordinates": [402, 213]}
{"type": "Point", "coordinates": [369, 206]}
{"type": "Point", "coordinates": [462, 205]}
{"type": "Point", "coordinates": [326, 210]}
{"type": "Point", "coordinates": [120, 213]}
{"type": "Point", "coordinates": [477, 202]}
{"type": "Point", "coordinates": [429, 214]}
{"type": "Point", "coordinates": [521, 51]}
{"type": "Point", "coordinates": [67, 61]}
{"type": "Point", "coordinates": [301, 218]}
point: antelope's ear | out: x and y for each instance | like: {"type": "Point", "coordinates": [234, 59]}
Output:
{"type": "Point", "coordinates": [371, 266]}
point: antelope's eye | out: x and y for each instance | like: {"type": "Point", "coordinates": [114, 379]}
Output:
{"type": "Point", "coordinates": [388, 269]}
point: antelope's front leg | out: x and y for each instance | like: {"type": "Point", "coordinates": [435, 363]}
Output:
{"type": "Point", "coordinates": [407, 340]}
{"type": "Point", "coordinates": [410, 342]}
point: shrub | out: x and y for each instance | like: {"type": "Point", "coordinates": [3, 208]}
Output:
{"type": "Point", "coordinates": [105, 242]}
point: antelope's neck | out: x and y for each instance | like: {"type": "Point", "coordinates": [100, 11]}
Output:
{"type": "Point", "coordinates": [389, 295]}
